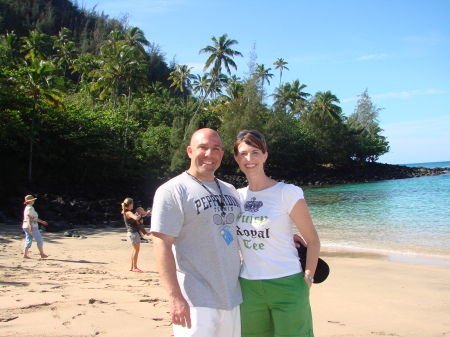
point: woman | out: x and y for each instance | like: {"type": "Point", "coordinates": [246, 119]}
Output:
{"type": "Point", "coordinates": [275, 289]}
{"type": "Point", "coordinates": [31, 228]}
{"type": "Point", "coordinates": [134, 232]}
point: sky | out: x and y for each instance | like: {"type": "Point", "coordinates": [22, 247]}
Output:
{"type": "Point", "coordinates": [398, 50]}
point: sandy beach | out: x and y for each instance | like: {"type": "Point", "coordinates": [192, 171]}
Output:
{"type": "Point", "coordinates": [85, 288]}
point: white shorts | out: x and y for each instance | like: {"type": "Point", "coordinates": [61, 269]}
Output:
{"type": "Point", "coordinates": [207, 322]}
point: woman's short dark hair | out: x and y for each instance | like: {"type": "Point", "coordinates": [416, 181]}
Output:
{"type": "Point", "coordinates": [252, 138]}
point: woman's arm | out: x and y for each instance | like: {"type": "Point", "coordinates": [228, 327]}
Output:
{"type": "Point", "coordinates": [130, 215]}
{"type": "Point", "coordinates": [302, 219]}
{"type": "Point", "coordinates": [42, 222]}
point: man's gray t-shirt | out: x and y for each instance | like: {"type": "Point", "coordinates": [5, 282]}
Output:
{"type": "Point", "coordinates": [206, 252]}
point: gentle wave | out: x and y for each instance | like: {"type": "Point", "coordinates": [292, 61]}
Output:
{"type": "Point", "coordinates": [405, 217]}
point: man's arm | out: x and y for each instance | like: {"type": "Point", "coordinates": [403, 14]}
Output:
{"type": "Point", "coordinates": [165, 262]}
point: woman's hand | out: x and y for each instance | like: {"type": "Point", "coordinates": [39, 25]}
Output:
{"type": "Point", "coordinates": [308, 280]}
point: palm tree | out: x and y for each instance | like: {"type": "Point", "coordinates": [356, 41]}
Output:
{"type": "Point", "coordinates": [221, 54]}
{"type": "Point", "coordinates": [290, 97]}
{"type": "Point", "coordinates": [84, 65]}
{"type": "Point", "coordinates": [217, 84]}
{"type": "Point", "coordinates": [65, 49]}
{"type": "Point", "coordinates": [323, 105]}
{"type": "Point", "coordinates": [36, 46]}
{"type": "Point", "coordinates": [135, 37]}
{"type": "Point", "coordinates": [280, 64]}
{"type": "Point", "coordinates": [13, 44]}
{"type": "Point", "coordinates": [41, 84]}
{"type": "Point", "coordinates": [200, 84]}
{"type": "Point", "coordinates": [263, 74]}
{"type": "Point", "coordinates": [181, 77]}
{"type": "Point", "coordinates": [118, 66]}
{"type": "Point", "coordinates": [235, 88]}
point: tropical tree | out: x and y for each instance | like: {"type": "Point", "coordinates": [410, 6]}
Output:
{"type": "Point", "coordinates": [324, 106]}
{"type": "Point", "coordinates": [368, 142]}
{"type": "Point", "coordinates": [84, 65]}
{"type": "Point", "coordinates": [280, 64]}
{"type": "Point", "coordinates": [135, 37]}
{"type": "Point", "coordinates": [263, 74]}
{"type": "Point", "coordinates": [43, 86]}
{"type": "Point", "coordinates": [181, 77]}
{"type": "Point", "coordinates": [324, 123]}
{"type": "Point", "coordinates": [234, 88]}
{"type": "Point", "coordinates": [291, 98]}
{"type": "Point", "coordinates": [119, 66]}
{"type": "Point", "coordinates": [37, 46]}
{"type": "Point", "coordinates": [65, 49]}
{"type": "Point", "coordinates": [200, 84]}
{"type": "Point", "coordinates": [12, 46]}
{"type": "Point", "coordinates": [221, 54]}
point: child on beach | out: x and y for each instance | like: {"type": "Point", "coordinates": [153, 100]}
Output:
{"type": "Point", "coordinates": [144, 221]}
{"type": "Point", "coordinates": [145, 216]}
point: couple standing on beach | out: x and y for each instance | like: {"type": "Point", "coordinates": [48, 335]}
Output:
{"type": "Point", "coordinates": [197, 223]}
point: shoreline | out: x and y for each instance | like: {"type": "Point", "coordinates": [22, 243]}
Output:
{"type": "Point", "coordinates": [409, 258]}
{"type": "Point", "coordinates": [85, 288]}
{"type": "Point", "coordinates": [326, 250]}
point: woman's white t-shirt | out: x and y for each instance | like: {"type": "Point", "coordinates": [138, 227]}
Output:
{"type": "Point", "coordinates": [265, 232]}
{"type": "Point", "coordinates": [29, 214]}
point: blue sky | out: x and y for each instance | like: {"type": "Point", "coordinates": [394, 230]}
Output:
{"type": "Point", "coordinates": [398, 50]}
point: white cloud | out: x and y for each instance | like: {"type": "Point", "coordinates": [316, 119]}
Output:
{"type": "Point", "coordinates": [418, 141]}
{"type": "Point", "coordinates": [430, 39]}
{"type": "Point", "coordinates": [437, 127]}
{"type": "Point", "coordinates": [398, 95]}
{"type": "Point", "coordinates": [406, 94]}
{"type": "Point", "coordinates": [196, 67]}
{"type": "Point", "coordinates": [372, 57]}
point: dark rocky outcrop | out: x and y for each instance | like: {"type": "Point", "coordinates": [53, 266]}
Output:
{"type": "Point", "coordinates": [98, 204]}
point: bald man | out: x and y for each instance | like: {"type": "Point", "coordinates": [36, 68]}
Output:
{"type": "Point", "coordinates": [196, 252]}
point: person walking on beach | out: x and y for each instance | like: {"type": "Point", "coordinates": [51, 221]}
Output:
{"type": "Point", "coordinates": [195, 214]}
{"type": "Point", "coordinates": [275, 289]}
{"type": "Point", "coordinates": [134, 232]}
{"type": "Point", "coordinates": [31, 228]}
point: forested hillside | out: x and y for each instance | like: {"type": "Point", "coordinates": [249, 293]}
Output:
{"type": "Point", "coordinates": [85, 97]}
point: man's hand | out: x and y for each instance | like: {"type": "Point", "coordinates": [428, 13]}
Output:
{"type": "Point", "coordinates": [298, 240]}
{"type": "Point", "coordinates": [180, 312]}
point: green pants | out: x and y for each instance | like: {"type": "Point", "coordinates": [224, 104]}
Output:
{"type": "Point", "coordinates": [276, 307]}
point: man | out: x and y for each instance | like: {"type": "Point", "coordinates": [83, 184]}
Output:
{"type": "Point", "coordinates": [195, 213]}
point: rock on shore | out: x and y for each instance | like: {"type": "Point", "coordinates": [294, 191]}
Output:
{"type": "Point", "coordinates": [98, 205]}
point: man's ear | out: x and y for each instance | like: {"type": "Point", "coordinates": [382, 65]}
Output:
{"type": "Point", "coordinates": [189, 151]}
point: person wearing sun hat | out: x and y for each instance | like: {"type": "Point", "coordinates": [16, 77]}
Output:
{"type": "Point", "coordinates": [31, 228]}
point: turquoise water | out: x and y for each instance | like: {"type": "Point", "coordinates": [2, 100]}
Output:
{"type": "Point", "coordinates": [405, 216]}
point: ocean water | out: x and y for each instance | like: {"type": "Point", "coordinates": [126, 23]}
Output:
{"type": "Point", "coordinates": [404, 217]}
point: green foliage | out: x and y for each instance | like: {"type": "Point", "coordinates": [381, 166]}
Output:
{"type": "Point", "coordinates": [368, 142]}
{"type": "Point", "coordinates": [155, 145]}
{"type": "Point", "coordinates": [83, 97]}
